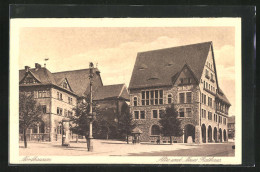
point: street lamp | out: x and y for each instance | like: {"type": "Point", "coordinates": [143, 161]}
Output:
{"type": "Point", "coordinates": [90, 116]}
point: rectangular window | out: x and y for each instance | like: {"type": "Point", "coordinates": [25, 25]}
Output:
{"type": "Point", "coordinates": [181, 112]}
{"type": "Point", "coordinates": [155, 114]}
{"type": "Point", "coordinates": [69, 100]}
{"type": "Point", "coordinates": [181, 80]}
{"type": "Point", "coordinates": [209, 116]}
{"type": "Point", "coordinates": [188, 111]}
{"type": "Point", "coordinates": [44, 94]}
{"type": "Point", "coordinates": [40, 94]}
{"type": "Point", "coordinates": [209, 101]}
{"type": "Point", "coordinates": [58, 110]}
{"type": "Point", "coordinates": [135, 101]}
{"type": "Point", "coordinates": [143, 97]}
{"type": "Point", "coordinates": [136, 114]}
{"type": "Point", "coordinates": [61, 96]}
{"type": "Point", "coordinates": [152, 98]}
{"type": "Point", "coordinates": [147, 98]}
{"type": "Point", "coordinates": [156, 97]}
{"type": "Point", "coordinates": [169, 98]}
{"type": "Point", "coordinates": [142, 114]}
{"type": "Point", "coordinates": [181, 96]}
{"type": "Point", "coordinates": [160, 113]}
{"type": "Point", "coordinates": [43, 108]}
{"type": "Point", "coordinates": [58, 95]}
{"type": "Point", "coordinates": [161, 97]}
{"type": "Point", "coordinates": [188, 97]}
{"type": "Point", "coordinates": [205, 98]}
{"type": "Point", "coordinates": [35, 94]}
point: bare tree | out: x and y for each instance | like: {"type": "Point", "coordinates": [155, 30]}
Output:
{"type": "Point", "coordinates": [29, 113]}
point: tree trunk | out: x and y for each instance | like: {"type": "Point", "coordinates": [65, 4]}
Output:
{"type": "Point", "coordinates": [127, 139]}
{"type": "Point", "coordinates": [24, 138]}
{"type": "Point", "coordinates": [171, 140]}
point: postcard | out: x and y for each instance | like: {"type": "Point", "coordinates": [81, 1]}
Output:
{"type": "Point", "coordinates": [125, 91]}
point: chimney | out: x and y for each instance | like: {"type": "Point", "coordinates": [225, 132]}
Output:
{"type": "Point", "coordinates": [26, 68]}
{"type": "Point", "coordinates": [37, 66]}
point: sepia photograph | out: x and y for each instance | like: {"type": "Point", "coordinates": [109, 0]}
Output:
{"type": "Point", "coordinates": [125, 91]}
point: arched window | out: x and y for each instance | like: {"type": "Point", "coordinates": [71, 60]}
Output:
{"type": "Point", "coordinates": [169, 98]}
{"type": "Point", "coordinates": [155, 130]}
{"type": "Point", "coordinates": [135, 101]}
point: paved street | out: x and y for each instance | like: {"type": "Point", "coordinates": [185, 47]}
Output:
{"type": "Point", "coordinates": [119, 148]}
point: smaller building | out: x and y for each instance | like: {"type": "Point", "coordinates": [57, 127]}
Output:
{"type": "Point", "coordinates": [58, 94]}
{"type": "Point", "coordinates": [231, 127]}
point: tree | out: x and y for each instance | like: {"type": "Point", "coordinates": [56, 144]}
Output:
{"type": "Point", "coordinates": [171, 125]}
{"type": "Point", "coordinates": [79, 121]}
{"type": "Point", "coordinates": [29, 113]}
{"type": "Point", "coordinates": [107, 126]}
{"type": "Point", "coordinates": [125, 123]}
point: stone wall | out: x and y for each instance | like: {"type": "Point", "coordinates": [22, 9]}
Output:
{"type": "Point", "coordinates": [146, 124]}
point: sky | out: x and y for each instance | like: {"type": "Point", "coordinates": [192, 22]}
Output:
{"type": "Point", "coordinates": [114, 49]}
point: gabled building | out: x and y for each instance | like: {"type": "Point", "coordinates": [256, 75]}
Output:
{"type": "Point", "coordinates": [58, 94]}
{"type": "Point", "coordinates": [187, 77]}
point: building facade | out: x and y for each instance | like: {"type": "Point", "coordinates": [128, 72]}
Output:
{"type": "Point", "coordinates": [58, 94]}
{"type": "Point", "coordinates": [231, 127]}
{"type": "Point", "coordinates": [185, 76]}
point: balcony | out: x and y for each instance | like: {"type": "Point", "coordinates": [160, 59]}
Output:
{"type": "Point", "coordinates": [209, 91]}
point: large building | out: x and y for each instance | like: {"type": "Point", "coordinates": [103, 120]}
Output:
{"type": "Point", "coordinates": [58, 93]}
{"type": "Point", "coordinates": [185, 76]}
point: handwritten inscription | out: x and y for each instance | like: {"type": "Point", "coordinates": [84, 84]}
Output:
{"type": "Point", "coordinates": [35, 158]}
{"type": "Point", "coordinates": [166, 159]}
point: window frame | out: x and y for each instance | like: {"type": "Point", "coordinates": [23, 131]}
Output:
{"type": "Point", "coordinates": [179, 110]}
{"type": "Point", "coordinates": [152, 131]}
{"type": "Point", "coordinates": [135, 114]}
{"type": "Point", "coordinates": [135, 101]}
{"type": "Point", "coordinates": [169, 97]}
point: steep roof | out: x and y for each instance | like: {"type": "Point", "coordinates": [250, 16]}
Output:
{"type": "Point", "coordinates": [79, 80]}
{"type": "Point", "coordinates": [222, 96]}
{"type": "Point", "coordinates": [43, 75]}
{"type": "Point", "coordinates": [156, 68]}
{"type": "Point", "coordinates": [231, 119]}
{"type": "Point", "coordinates": [111, 91]}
